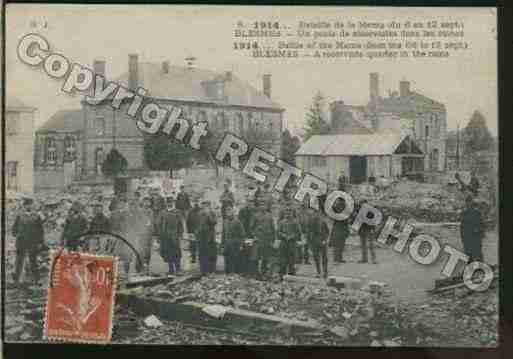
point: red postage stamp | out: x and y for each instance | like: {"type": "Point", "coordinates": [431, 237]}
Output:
{"type": "Point", "coordinates": [80, 301]}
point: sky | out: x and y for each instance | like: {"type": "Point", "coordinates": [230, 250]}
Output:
{"type": "Point", "coordinates": [464, 82]}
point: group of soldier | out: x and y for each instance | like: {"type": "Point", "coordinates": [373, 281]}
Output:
{"type": "Point", "coordinates": [263, 238]}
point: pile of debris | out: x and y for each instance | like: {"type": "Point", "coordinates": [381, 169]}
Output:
{"type": "Point", "coordinates": [346, 316]}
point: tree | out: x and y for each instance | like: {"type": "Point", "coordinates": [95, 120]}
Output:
{"type": "Point", "coordinates": [316, 123]}
{"type": "Point", "coordinates": [289, 146]}
{"type": "Point", "coordinates": [114, 164]}
{"type": "Point", "coordinates": [162, 153]}
{"type": "Point", "coordinates": [476, 134]}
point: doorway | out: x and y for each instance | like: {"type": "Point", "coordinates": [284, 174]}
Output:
{"type": "Point", "coordinates": [358, 169]}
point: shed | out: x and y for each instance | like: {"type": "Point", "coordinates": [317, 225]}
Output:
{"type": "Point", "coordinates": [360, 156]}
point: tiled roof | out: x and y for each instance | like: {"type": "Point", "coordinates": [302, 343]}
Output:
{"type": "Point", "coordinates": [182, 83]}
{"type": "Point", "coordinates": [410, 104]}
{"type": "Point", "coordinates": [64, 121]}
{"type": "Point", "coordinates": [351, 144]}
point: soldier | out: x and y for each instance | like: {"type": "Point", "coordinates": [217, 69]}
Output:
{"type": "Point", "coordinates": [29, 232]}
{"type": "Point", "coordinates": [264, 233]}
{"type": "Point", "coordinates": [366, 233]}
{"type": "Point", "coordinates": [289, 234]}
{"type": "Point", "coordinates": [248, 252]}
{"type": "Point", "coordinates": [342, 181]}
{"type": "Point", "coordinates": [170, 231]}
{"type": "Point", "coordinates": [317, 233]}
{"type": "Point", "coordinates": [206, 237]}
{"type": "Point", "coordinates": [339, 234]}
{"type": "Point", "coordinates": [76, 224]}
{"type": "Point", "coordinates": [303, 215]}
{"type": "Point", "coordinates": [193, 221]}
{"type": "Point", "coordinates": [471, 230]}
{"type": "Point", "coordinates": [146, 226]}
{"type": "Point", "coordinates": [234, 237]}
{"type": "Point", "coordinates": [121, 221]}
{"type": "Point", "coordinates": [99, 223]}
{"type": "Point", "coordinates": [227, 199]}
{"type": "Point", "coordinates": [183, 203]}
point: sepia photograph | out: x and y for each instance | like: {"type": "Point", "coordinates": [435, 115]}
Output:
{"type": "Point", "coordinates": [251, 175]}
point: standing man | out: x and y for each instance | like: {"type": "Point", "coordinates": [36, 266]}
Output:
{"type": "Point", "coordinates": [234, 238]}
{"type": "Point", "coordinates": [121, 221]}
{"type": "Point", "coordinates": [146, 229]}
{"type": "Point", "coordinates": [339, 234]}
{"type": "Point", "coordinates": [170, 231]}
{"type": "Point", "coordinates": [206, 237]}
{"type": "Point", "coordinates": [366, 234]}
{"type": "Point", "coordinates": [76, 224]}
{"type": "Point", "coordinates": [99, 223]}
{"type": "Point", "coordinates": [264, 233]}
{"type": "Point", "coordinates": [289, 234]}
{"type": "Point", "coordinates": [303, 214]}
{"type": "Point", "coordinates": [193, 221]}
{"type": "Point", "coordinates": [317, 233]}
{"type": "Point", "coordinates": [227, 199]}
{"type": "Point", "coordinates": [342, 181]}
{"type": "Point", "coordinates": [248, 252]}
{"type": "Point", "coordinates": [471, 230]}
{"type": "Point", "coordinates": [183, 203]}
{"type": "Point", "coordinates": [29, 232]}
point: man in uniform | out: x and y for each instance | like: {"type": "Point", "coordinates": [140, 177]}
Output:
{"type": "Point", "coordinates": [339, 234]}
{"type": "Point", "coordinates": [206, 237]}
{"type": "Point", "coordinates": [264, 233]}
{"type": "Point", "coordinates": [169, 230]}
{"type": "Point", "coordinates": [289, 234]}
{"type": "Point", "coordinates": [146, 231]}
{"type": "Point", "coordinates": [76, 224]}
{"type": "Point", "coordinates": [29, 232]}
{"type": "Point", "coordinates": [248, 252]}
{"type": "Point", "coordinates": [366, 233]}
{"type": "Point", "coordinates": [234, 238]}
{"type": "Point", "coordinates": [121, 221]}
{"type": "Point", "coordinates": [227, 199]}
{"type": "Point", "coordinates": [99, 223]}
{"type": "Point", "coordinates": [317, 233]}
{"type": "Point", "coordinates": [193, 221]}
{"type": "Point", "coordinates": [471, 230]}
{"type": "Point", "coordinates": [183, 203]}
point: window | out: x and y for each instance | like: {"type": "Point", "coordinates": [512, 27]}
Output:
{"type": "Point", "coordinates": [98, 160]}
{"type": "Point", "coordinates": [99, 126]}
{"type": "Point", "coordinates": [51, 151]}
{"type": "Point", "coordinates": [12, 175]}
{"type": "Point", "coordinates": [318, 161]}
{"type": "Point", "coordinates": [69, 149]}
{"type": "Point", "coordinates": [12, 123]}
{"type": "Point", "coordinates": [240, 122]}
{"type": "Point", "coordinates": [427, 132]}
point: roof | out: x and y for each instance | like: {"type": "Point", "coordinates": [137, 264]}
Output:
{"type": "Point", "coordinates": [408, 105]}
{"type": "Point", "coordinates": [13, 103]}
{"type": "Point", "coordinates": [351, 144]}
{"type": "Point", "coordinates": [185, 84]}
{"type": "Point", "coordinates": [64, 121]}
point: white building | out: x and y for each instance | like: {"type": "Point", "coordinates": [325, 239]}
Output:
{"type": "Point", "coordinates": [19, 146]}
{"type": "Point", "coordinates": [360, 156]}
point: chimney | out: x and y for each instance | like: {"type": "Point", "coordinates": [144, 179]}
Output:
{"type": "Point", "coordinates": [99, 67]}
{"type": "Point", "coordinates": [404, 88]}
{"type": "Point", "coordinates": [374, 87]}
{"type": "Point", "coordinates": [337, 109]}
{"type": "Point", "coordinates": [165, 67]}
{"type": "Point", "coordinates": [133, 72]}
{"type": "Point", "coordinates": [267, 85]}
{"type": "Point", "coordinates": [228, 76]}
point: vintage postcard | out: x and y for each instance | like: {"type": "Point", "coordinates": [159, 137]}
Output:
{"type": "Point", "coordinates": [262, 175]}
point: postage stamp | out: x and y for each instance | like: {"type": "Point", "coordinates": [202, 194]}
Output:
{"type": "Point", "coordinates": [80, 301]}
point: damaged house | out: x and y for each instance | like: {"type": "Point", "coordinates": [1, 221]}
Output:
{"type": "Point", "coordinates": [407, 128]}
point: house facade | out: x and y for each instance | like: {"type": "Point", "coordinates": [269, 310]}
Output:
{"type": "Point", "coordinates": [406, 112]}
{"type": "Point", "coordinates": [19, 146]}
{"type": "Point", "coordinates": [85, 136]}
